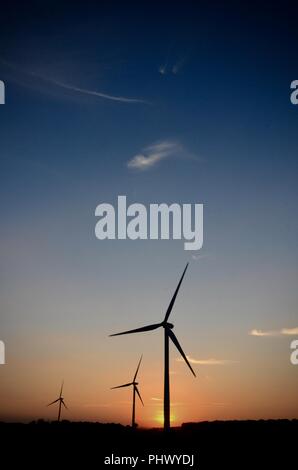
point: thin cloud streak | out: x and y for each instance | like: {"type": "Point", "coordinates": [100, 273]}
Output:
{"type": "Point", "coordinates": [289, 331]}
{"type": "Point", "coordinates": [208, 362]}
{"type": "Point", "coordinates": [153, 154]}
{"type": "Point", "coordinates": [272, 333]}
{"type": "Point", "coordinates": [261, 333]}
{"type": "Point", "coordinates": [66, 86]}
{"type": "Point", "coordinates": [98, 94]}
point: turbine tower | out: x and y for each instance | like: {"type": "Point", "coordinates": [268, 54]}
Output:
{"type": "Point", "coordinates": [134, 384]}
{"type": "Point", "coordinates": [168, 334]}
{"type": "Point", "coordinates": [61, 402]}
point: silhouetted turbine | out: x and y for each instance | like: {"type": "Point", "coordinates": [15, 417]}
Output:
{"type": "Point", "coordinates": [61, 402]}
{"type": "Point", "coordinates": [134, 384]}
{"type": "Point", "coordinates": [168, 333]}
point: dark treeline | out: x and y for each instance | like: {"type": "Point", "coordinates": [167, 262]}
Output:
{"type": "Point", "coordinates": [218, 444]}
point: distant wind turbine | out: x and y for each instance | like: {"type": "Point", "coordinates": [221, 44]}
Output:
{"type": "Point", "coordinates": [168, 333]}
{"type": "Point", "coordinates": [134, 384]}
{"type": "Point", "coordinates": [61, 402]}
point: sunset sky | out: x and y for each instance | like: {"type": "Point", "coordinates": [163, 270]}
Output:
{"type": "Point", "coordinates": [186, 102]}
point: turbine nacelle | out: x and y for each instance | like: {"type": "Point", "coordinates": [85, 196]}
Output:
{"type": "Point", "coordinates": [168, 325]}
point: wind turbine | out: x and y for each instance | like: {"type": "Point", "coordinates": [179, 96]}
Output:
{"type": "Point", "coordinates": [61, 402]}
{"type": "Point", "coordinates": [134, 384]}
{"type": "Point", "coordinates": [168, 333]}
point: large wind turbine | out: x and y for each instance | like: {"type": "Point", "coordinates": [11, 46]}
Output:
{"type": "Point", "coordinates": [134, 384]}
{"type": "Point", "coordinates": [61, 402]}
{"type": "Point", "coordinates": [168, 333]}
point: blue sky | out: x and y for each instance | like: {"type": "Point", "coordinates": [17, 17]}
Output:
{"type": "Point", "coordinates": [211, 80]}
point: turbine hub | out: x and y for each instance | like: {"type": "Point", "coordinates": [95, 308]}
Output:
{"type": "Point", "coordinates": [169, 325]}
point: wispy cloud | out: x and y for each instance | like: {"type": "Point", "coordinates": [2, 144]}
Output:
{"type": "Point", "coordinates": [162, 69]}
{"type": "Point", "coordinates": [150, 156]}
{"type": "Point", "coordinates": [174, 62]}
{"type": "Point", "coordinates": [178, 65]}
{"type": "Point", "coordinates": [70, 87]}
{"type": "Point", "coordinates": [98, 94]}
{"type": "Point", "coordinates": [156, 399]}
{"type": "Point", "coordinates": [289, 331]}
{"type": "Point", "coordinates": [256, 332]}
{"type": "Point", "coordinates": [208, 362]}
{"type": "Point", "coordinates": [281, 332]}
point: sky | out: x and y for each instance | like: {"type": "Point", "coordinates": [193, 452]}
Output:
{"type": "Point", "coordinates": [187, 102]}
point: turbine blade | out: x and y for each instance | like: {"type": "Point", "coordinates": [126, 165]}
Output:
{"type": "Point", "coordinates": [62, 401]}
{"type": "Point", "coordinates": [52, 403]}
{"type": "Point", "coordinates": [61, 389]}
{"type": "Point", "coordinates": [121, 386]}
{"type": "Point", "coordinates": [174, 296]}
{"type": "Point", "coordinates": [176, 342]}
{"type": "Point", "coordinates": [137, 368]}
{"type": "Point", "coordinates": [139, 330]}
{"type": "Point", "coordinates": [137, 390]}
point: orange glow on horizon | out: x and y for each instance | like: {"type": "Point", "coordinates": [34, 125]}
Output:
{"type": "Point", "coordinates": [160, 419]}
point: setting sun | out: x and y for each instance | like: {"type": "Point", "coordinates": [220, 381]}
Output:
{"type": "Point", "coordinates": [160, 419]}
